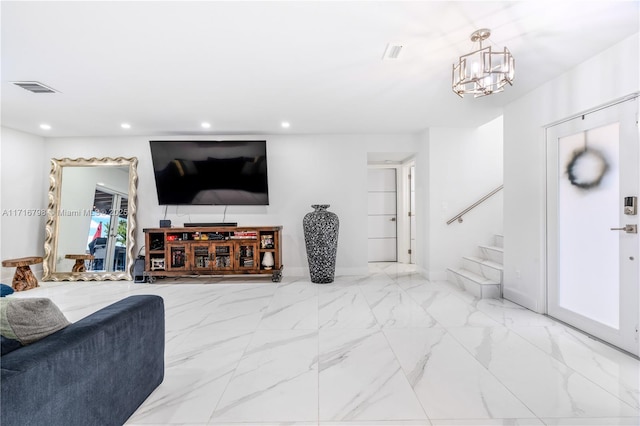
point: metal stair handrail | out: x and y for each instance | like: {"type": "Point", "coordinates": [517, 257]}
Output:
{"type": "Point", "coordinates": [458, 217]}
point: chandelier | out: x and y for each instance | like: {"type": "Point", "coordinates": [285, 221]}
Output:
{"type": "Point", "coordinates": [483, 72]}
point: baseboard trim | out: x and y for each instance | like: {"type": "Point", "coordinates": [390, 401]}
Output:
{"type": "Point", "coordinates": [520, 298]}
{"type": "Point", "coordinates": [298, 271]}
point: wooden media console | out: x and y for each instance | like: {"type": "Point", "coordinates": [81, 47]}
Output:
{"type": "Point", "coordinates": [225, 250]}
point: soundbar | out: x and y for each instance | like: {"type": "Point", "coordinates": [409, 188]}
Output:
{"type": "Point", "coordinates": [209, 224]}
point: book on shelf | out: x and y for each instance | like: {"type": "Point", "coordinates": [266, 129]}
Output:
{"type": "Point", "coordinates": [238, 235]}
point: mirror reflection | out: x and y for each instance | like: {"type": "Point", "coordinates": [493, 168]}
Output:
{"type": "Point", "coordinates": [90, 219]}
{"type": "Point", "coordinates": [108, 230]}
{"type": "Point", "coordinates": [99, 195]}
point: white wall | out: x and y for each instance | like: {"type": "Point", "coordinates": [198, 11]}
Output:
{"type": "Point", "coordinates": [303, 170]}
{"type": "Point", "coordinates": [608, 76]}
{"type": "Point", "coordinates": [464, 165]}
{"type": "Point", "coordinates": [23, 198]}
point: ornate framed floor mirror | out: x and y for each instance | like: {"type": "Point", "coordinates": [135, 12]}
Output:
{"type": "Point", "coordinates": [91, 219]}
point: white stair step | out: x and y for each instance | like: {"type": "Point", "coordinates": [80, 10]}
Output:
{"type": "Point", "coordinates": [486, 268]}
{"type": "Point", "coordinates": [498, 240]}
{"type": "Point", "coordinates": [493, 253]}
{"type": "Point", "coordinates": [475, 284]}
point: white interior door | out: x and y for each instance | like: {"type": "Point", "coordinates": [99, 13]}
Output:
{"type": "Point", "coordinates": [592, 166]}
{"type": "Point", "coordinates": [382, 217]}
{"type": "Point", "coordinates": [412, 214]}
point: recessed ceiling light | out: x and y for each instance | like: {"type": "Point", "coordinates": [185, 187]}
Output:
{"type": "Point", "coordinates": [45, 127]}
{"type": "Point", "coordinates": [285, 124]}
{"type": "Point", "coordinates": [205, 125]}
{"type": "Point", "coordinates": [125, 125]}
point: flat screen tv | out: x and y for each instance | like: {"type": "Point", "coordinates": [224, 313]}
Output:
{"type": "Point", "coordinates": [230, 173]}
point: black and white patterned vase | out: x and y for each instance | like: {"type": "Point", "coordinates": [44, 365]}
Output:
{"type": "Point", "coordinates": [321, 238]}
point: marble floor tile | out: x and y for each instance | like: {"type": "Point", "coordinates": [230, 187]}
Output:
{"type": "Point", "coordinates": [548, 387]}
{"type": "Point", "coordinates": [420, 283]}
{"type": "Point", "coordinates": [385, 286]}
{"type": "Point", "coordinates": [292, 309]}
{"type": "Point", "coordinates": [242, 307]}
{"type": "Point", "coordinates": [511, 315]}
{"type": "Point", "coordinates": [449, 382]}
{"type": "Point", "coordinates": [379, 423]}
{"type": "Point", "coordinates": [197, 371]}
{"type": "Point", "coordinates": [389, 348]}
{"type": "Point", "coordinates": [613, 370]}
{"type": "Point", "coordinates": [395, 309]}
{"type": "Point", "coordinates": [263, 424]}
{"type": "Point", "coordinates": [276, 380]}
{"type": "Point", "coordinates": [601, 421]}
{"type": "Point", "coordinates": [452, 311]}
{"type": "Point", "coordinates": [361, 379]}
{"type": "Point", "coordinates": [345, 308]}
{"type": "Point", "coordinates": [489, 422]}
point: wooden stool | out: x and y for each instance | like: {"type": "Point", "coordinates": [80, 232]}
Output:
{"type": "Point", "coordinates": [23, 279]}
{"type": "Point", "coordinates": [79, 258]}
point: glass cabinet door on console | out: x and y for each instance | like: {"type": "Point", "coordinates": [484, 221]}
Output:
{"type": "Point", "coordinates": [201, 255]}
{"type": "Point", "coordinates": [177, 256]}
{"type": "Point", "coordinates": [246, 255]}
{"type": "Point", "coordinates": [221, 256]}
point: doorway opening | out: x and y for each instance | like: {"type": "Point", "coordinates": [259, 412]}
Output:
{"type": "Point", "coordinates": [107, 236]}
{"type": "Point", "coordinates": [391, 207]}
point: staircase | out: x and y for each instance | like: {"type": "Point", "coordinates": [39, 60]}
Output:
{"type": "Point", "coordinates": [481, 276]}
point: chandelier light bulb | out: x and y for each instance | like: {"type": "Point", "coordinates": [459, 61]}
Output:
{"type": "Point", "coordinates": [475, 67]}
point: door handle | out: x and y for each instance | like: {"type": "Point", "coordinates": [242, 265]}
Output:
{"type": "Point", "coordinates": [393, 219]}
{"type": "Point", "coordinates": [629, 229]}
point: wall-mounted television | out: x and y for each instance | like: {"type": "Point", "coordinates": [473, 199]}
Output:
{"type": "Point", "coordinates": [230, 173]}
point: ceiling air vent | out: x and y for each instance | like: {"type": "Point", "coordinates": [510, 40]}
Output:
{"type": "Point", "coordinates": [392, 52]}
{"type": "Point", "coordinates": [34, 86]}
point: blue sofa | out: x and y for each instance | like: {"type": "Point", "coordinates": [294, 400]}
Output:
{"type": "Point", "coordinates": [96, 371]}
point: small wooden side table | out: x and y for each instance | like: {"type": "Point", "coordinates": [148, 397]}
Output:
{"type": "Point", "coordinates": [79, 258]}
{"type": "Point", "coordinates": [23, 279]}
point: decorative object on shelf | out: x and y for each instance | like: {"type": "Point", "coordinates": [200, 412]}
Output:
{"type": "Point", "coordinates": [483, 72]}
{"type": "Point", "coordinates": [266, 241]}
{"type": "Point", "coordinates": [157, 264]}
{"type": "Point", "coordinates": [267, 260]}
{"type": "Point", "coordinates": [321, 240]}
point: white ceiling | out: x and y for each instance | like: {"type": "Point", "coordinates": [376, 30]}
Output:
{"type": "Point", "coordinates": [245, 66]}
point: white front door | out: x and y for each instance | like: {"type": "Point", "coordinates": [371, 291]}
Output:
{"type": "Point", "coordinates": [593, 270]}
{"type": "Point", "coordinates": [382, 218]}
